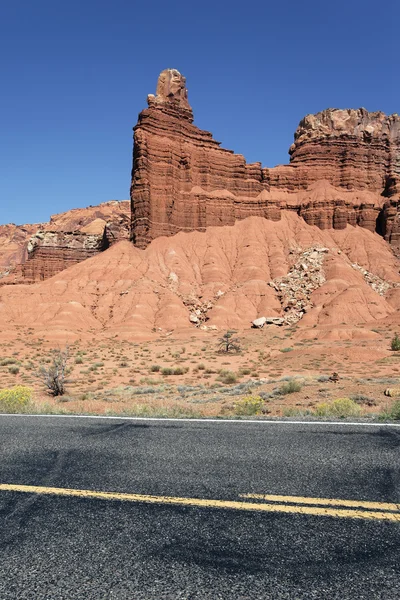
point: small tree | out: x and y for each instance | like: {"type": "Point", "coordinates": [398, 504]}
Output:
{"type": "Point", "coordinates": [395, 343]}
{"type": "Point", "coordinates": [228, 343]}
{"type": "Point", "coordinates": [54, 376]}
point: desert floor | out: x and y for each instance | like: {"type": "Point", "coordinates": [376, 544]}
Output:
{"type": "Point", "coordinates": [276, 373]}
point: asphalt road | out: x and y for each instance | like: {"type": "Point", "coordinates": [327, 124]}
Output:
{"type": "Point", "coordinates": [55, 546]}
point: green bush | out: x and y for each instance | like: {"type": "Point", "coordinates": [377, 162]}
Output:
{"type": "Point", "coordinates": [394, 412]}
{"type": "Point", "coordinates": [78, 360]}
{"type": "Point", "coordinates": [395, 343]}
{"type": "Point", "coordinates": [290, 387]}
{"type": "Point", "coordinates": [16, 399]}
{"type": "Point", "coordinates": [339, 408]}
{"type": "Point", "coordinates": [155, 368]}
{"type": "Point", "coordinates": [286, 349]}
{"type": "Point", "coordinates": [14, 370]}
{"type": "Point", "coordinates": [249, 405]}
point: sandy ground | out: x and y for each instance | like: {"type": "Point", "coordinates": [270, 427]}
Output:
{"type": "Point", "coordinates": [122, 377]}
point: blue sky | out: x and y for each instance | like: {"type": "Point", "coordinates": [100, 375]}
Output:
{"type": "Point", "coordinates": [74, 76]}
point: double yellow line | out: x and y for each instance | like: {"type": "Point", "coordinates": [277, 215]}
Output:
{"type": "Point", "coordinates": [321, 507]}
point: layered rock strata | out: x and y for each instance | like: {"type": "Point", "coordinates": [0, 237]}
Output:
{"type": "Point", "coordinates": [344, 166]}
{"type": "Point", "coordinates": [13, 243]}
{"type": "Point", "coordinates": [67, 239]}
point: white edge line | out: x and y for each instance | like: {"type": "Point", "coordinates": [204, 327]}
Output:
{"type": "Point", "coordinates": [188, 420]}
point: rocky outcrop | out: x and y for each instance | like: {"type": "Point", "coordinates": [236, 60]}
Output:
{"type": "Point", "coordinates": [344, 166]}
{"type": "Point", "coordinates": [352, 149]}
{"type": "Point", "coordinates": [50, 252]}
{"type": "Point", "coordinates": [181, 179]}
{"type": "Point", "coordinates": [13, 243]}
{"type": "Point", "coordinates": [69, 238]}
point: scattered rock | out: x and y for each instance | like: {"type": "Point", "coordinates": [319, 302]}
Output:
{"type": "Point", "coordinates": [392, 392]}
{"type": "Point", "coordinates": [259, 323]}
{"type": "Point", "coordinates": [380, 286]}
{"type": "Point", "coordinates": [294, 289]}
{"type": "Point", "coordinates": [275, 321]}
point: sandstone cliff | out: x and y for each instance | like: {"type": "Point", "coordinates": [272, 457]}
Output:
{"type": "Point", "coordinates": [344, 168]}
{"type": "Point", "coordinates": [13, 244]}
{"type": "Point", "coordinates": [36, 252]}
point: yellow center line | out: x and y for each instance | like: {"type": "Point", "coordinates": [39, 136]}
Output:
{"type": "Point", "coordinates": [324, 501]}
{"type": "Point", "coordinates": [205, 503]}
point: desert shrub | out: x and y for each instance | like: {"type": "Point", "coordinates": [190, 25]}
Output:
{"type": "Point", "coordinates": [227, 376]}
{"type": "Point", "coordinates": [361, 399]}
{"type": "Point", "coordinates": [4, 362]}
{"type": "Point", "coordinates": [244, 371]}
{"type": "Point", "coordinates": [167, 371]}
{"type": "Point", "coordinates": [395, 343]}
{"type": "Point", "coordinates": [14, 370]}
{"type": "Point", "coordinates": [201, 366]}
{"type": "Point", "coordinates": [290, 387]}
{"type": "Point", "coordinates": [16, 399]}
{"type": "Point", "coordinates": [249, 405]}
{"type": "Point", "coordinates": [393, 412]}
{"type": "Point", "coordinates": [179, 371]}
{"type": "Point", "coordinates": [155, 368]}
{"type": "Point", "coordinates": [78, 360]}
{"type": "Point", "coordinates": [340, 408]}
{"type": "Point", "coordinates": [174, 371]}
{"type": "Point", "coordinates": [291, 411]}
{"type": "Point", "coordinates": [54, 376]}
{"type": "Point", "coordinates": [286, 349]}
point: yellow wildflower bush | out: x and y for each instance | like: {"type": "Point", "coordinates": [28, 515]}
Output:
{"type": "Point", "coordinates": [249, 405]}
{"type": "Point", "coordinates": [16, 399]}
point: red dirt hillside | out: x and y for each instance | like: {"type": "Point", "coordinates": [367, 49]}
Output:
{"type": "Point", "coordinates": [224, 277]}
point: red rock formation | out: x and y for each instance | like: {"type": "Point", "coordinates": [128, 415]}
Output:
{"type": "Point", "coordinates": [342, 163]}
{"type": "Point", "coordinates": [43, 250]}
{"type": "Point", "coordinates": [13, 243]}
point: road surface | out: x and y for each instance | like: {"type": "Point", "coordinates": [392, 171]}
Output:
{"type": "Point", "coordinates": [108, 509]}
